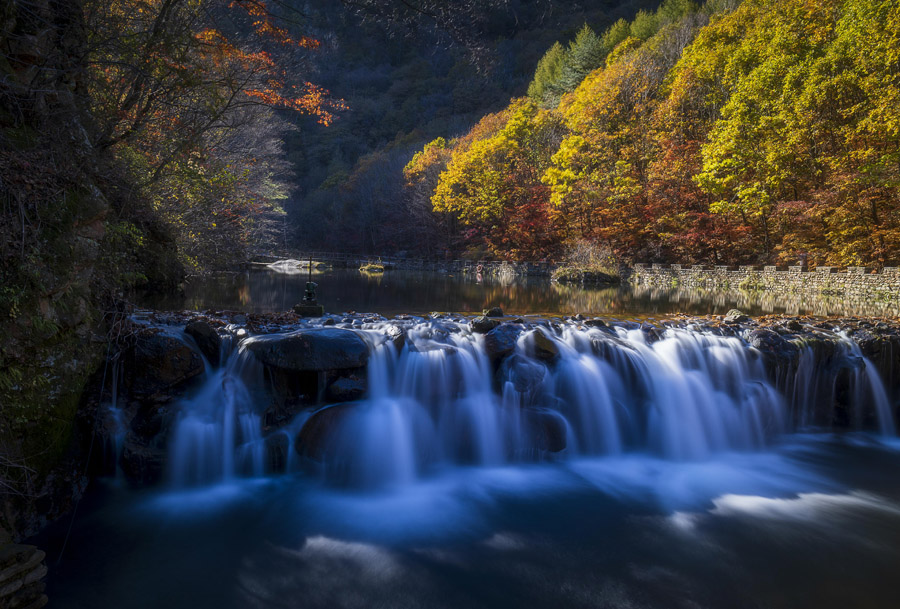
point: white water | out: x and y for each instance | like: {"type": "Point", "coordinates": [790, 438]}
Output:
{"type": "Point", "coordinates": [440, 402]}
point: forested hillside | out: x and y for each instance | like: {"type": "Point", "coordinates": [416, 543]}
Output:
{"type": "Point", "coordinates": [730, 132]}
{"type": "Point", "coordinates": [408, 76]}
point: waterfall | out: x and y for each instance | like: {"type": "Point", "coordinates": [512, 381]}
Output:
{"type": "Point", "coordinates": [442, 398]}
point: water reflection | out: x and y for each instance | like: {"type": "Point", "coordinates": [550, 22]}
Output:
{"type": "Point", "coordinates": [394, 292]}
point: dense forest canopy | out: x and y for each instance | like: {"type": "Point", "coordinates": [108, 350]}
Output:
{"type": "Point", "coordinates": [759, 131]}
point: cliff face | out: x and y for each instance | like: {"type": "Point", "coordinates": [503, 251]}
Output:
{"type": "Point", "coordinates": [51, 229]}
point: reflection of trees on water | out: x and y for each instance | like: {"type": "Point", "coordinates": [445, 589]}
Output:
{"type": "Point", "coordinates": [395, 292]}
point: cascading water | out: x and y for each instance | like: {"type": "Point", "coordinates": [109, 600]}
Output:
{"type": "Point", "coordinates": [218, 434]}
{"type": "Point", "coordinates": [443, 397]}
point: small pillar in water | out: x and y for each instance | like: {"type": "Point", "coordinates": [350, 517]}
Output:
{"type": "Point", "coordinates": [309, 306]}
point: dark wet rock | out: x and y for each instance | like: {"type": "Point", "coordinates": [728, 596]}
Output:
{"type": "Point", "coordinates": [346, 389]}
{"type": "Point", "coordinates": [651, 333]}
{"type": "Point", "coordinates": [501, 341]}
{"type": "Point", "coordinates": [595, 323]}
{"type": "Point", "coordinates": [546, 429]}
{"type": "Point", "coordinates": [735, 316]}
{"type": "Point", "coordinates": [239, 319]}
{"type": "Point", "coordinates": [793, 325]}
{"type": "Point", "coordinates": [493, 312]}
{"type": "Point", "coordinates": [483, 324]}
{"type": "Point", "coordinates": [208, 340]}
{"type": "Point", "coordinates": [311, 350]}
{"type": "Point", "coordinates": [159, 363]}
{"type": "Point", "coordinates": [545, 348]}
{"type": "Point", "coordinates": [773, 346]}
{"type": "Point", "coordinates": [317, 439]}
{"type": "Point", "coordinates": [328, 322]}
{"type": "Point", "coordinates": [277, 452]}
{"type": "Point", "coordinates": [525, 375]}
{"type": "Point", "coordinates": [142, 463]}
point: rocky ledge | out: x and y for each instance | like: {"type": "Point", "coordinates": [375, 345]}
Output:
{"type": "Point", "coordinates": [319, 366]}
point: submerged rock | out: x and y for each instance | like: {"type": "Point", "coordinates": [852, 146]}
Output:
{"type": "Point", "coordinates": [525, 375]}
{"type": "Point", "coordinates": [546, 429]}
{"type": "Point", "coordinates": [314, 349]}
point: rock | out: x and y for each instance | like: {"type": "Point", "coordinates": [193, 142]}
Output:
{"type": "Point", "coordinates": [141, 463]}
{"type": "Point", "coordinates": [735, 316]}
{"type": "Point", "coordinates": [794, 326]}
{"type": "Point", "coordinates": [545, 348]}
{"type": "Point", "coordinates": [546, 429]}
{"type": "Point", "coordinates": [493, 312]}
{"type": "Point", "coordinates": [346, 389]}
{"type": "Point", "coordinates": [314, 349]}
{"type": "Point", "coordinates": [277, 452]}
{"type": "Point", "coordinates": [208, 340]}
{"type": "Point", "coordinates": [397, 336]}
{"type": "Point", "coordinates": [501, 341]}
{"type": "Point", "coordinates": [525, 375]}
{"type": "Point", "coordinates": [596, 323]}
{"type": "Point", "coordinates": [328, 322]}
{"type": "Point", "coordinates": [158, 363]}
{"type": "Point", "coordinates": [317, 437]}
{"type": "Point", "coordinates": [775, 348]}
{"type": "Point", "coordinates": [483, 324]}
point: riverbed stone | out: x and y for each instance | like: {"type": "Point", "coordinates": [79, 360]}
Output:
{"type": "Point", "coordinates": [736, 316]}
{"type": "Point", "coordinates": [546, 429]}
{"type": "Point", "coordinates": [314, 349]}
{"type": "Point", "coordinates": [493, 312]}
{"type": "Point", "coordinates": [317, 437]}
{"type": "Point", "coordinates": [160, 362]}
{"type": "Point", "coordinates": [346, 389]}
{"type": "Point", "coordinates": [208, 340]}
{"type": "Point", "coordinates": [501, 341]}
{"type": "Point", "coordinates": [526, 375]}
{"type": "Point", "coordinates": [483, 324]}
{"type": "Point", "coordinates": [545, 348]}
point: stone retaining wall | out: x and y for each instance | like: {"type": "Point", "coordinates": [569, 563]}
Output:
{"type": "Point", "coordinates": [855, 284]}
{"type": "Point", "coordinates": [22, 571]}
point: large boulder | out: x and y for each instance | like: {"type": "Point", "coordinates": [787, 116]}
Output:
{"type": "Point", "coordinates": [159, 363]}
{"type": "Point", "coordinates": [315, 349]}
{"type": "Point", "coordinates": [317, 439]}
{"type": "Point", "coordinates": [501, 341]}
{"type": "Point", "coordinates": [208, 340]}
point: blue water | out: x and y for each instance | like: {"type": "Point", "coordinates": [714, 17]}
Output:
{"type": "Point", "coordinates": [814, 522]}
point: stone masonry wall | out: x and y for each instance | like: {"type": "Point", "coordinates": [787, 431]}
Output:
{"type": "Point", "coordinates": [856, 284]}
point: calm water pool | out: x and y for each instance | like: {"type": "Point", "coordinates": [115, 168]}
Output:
{"type": "Point", "coordinates": [394, 292]}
